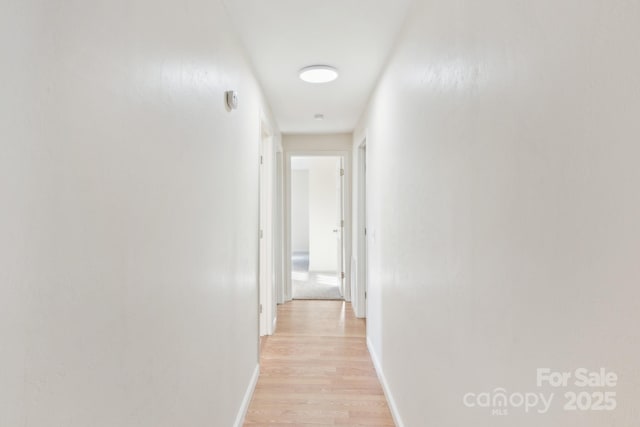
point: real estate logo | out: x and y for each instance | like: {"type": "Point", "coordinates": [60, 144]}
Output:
{"type": "Point", "coordinates": [578, 390]}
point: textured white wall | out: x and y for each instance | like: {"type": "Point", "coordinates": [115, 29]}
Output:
{"type": "Point", "coordinates": [504, 207]}
{"type": "Point", "coordinates": [300, 210]}
{"type": "Point", "coordinates": [317, 142]}
{"type": "Point", "coordinates": [129, 215]}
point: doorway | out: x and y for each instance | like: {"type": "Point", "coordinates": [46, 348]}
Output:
{"type": "Point", "coordinates": [317, 227]}
{"type": "Point", "coordinates": [271, 230]}
{"type": "Point", "coordinates": [360, 291]}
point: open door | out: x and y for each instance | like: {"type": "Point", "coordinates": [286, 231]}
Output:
{"type": "Point", "coordinates": [359, 293]}
{"type": "Point", "coordinates": [266, 289]}
{"type": "Point", "coordinates": [340, 226]}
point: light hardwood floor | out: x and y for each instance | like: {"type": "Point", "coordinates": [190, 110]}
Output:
{"type": "Point", "coordinates": [316, 370]}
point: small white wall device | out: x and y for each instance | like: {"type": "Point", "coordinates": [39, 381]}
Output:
{"type": "Point", "coordinates": [232, 99]}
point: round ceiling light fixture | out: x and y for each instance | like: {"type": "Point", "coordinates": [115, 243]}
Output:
{"type": "Point", "coordinates": [319, 74]}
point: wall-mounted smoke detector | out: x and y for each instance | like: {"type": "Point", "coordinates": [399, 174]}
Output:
{"type": "Point", "coordinates": [231, 97]}
{"type": "Point", "coordinates": [319, 74]}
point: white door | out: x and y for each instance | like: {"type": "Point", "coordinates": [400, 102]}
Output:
{"type": "Point", "coordinates": [267, 310]}
{"type": "Point", "coordinates": [262, 272]}
{"type": "Point", "coordinates": [340, 225]}
{"type": "Point", "coordinates": [364, 219]}
{"type": "Point", "coordinates": [278, 243]}
{"type": "Point", "coordinates": [360, 290]}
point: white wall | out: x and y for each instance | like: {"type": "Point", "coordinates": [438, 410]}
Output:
{"type": "Point", "coordinates": [300, 210]}
{"type": "Point", "coordinates": [316, 142]}
{"type": "Point", "coordinates": [503, 206]}
{"type": "Point", "coordinates": [324, 196]}
{"type": "Point", "coordinates": [128, 261]}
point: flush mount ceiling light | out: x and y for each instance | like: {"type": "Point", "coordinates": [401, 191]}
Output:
{"type": "Point", "coordinates": [319, 74]}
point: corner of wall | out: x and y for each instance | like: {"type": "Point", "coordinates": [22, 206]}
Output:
{"type": "Point", "coordinates": [385, 386]}
{"type": "Point", "coordinates": [246, 401]}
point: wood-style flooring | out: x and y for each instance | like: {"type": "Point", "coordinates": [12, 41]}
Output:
{"type": "Point", "coordinates": [316, 371]}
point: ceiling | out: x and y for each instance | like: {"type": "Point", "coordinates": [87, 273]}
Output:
{"type": "Point", "coordinates": [283, 36]}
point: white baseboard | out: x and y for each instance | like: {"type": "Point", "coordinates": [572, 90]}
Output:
{"type": "Point", "coordinates": [242, 413]}
{"type": "Point", "coordinates": [385, 387]}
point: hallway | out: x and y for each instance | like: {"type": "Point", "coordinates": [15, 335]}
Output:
{"type": "Point", "coordinates": [487, 224]}
{"type": "Point", "coordinates": [316, 370]}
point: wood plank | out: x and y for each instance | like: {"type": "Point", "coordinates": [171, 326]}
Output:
{"type": "Point", "coordinates": [316, 370]}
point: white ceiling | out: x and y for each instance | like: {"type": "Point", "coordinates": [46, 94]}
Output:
{"type": "Point", "coordinates": [283, 36]}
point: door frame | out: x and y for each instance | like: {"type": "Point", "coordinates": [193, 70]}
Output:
{"type": "Point", "coordinates": [360, 285]}
{"type": "Point", "coordinates": [345, 155]}
{"type": "Point", "coordinates": [278, 216]}
{"type": "Point", "coordinates": [269, 229]}
{"type": "Point", "coordinates": [265, 284]}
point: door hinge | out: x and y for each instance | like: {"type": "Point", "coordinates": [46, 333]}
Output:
{"type": "Point", "coordinates": [365, 231]}
{"type": "Point", "coordinates": [261, 234]}
{"type": "Point", "coordinates": [341, 172]}
{"type": "Point", "coordinates": [342, 274]}
{"type": "Point", "coordinates": [342, 223]}
{"type": "Point", "coordinates": [261, 160]}
{"type": "Point", "coordinates": [365, 294]}
{"type": "Point", "coordinates": [260, 308]}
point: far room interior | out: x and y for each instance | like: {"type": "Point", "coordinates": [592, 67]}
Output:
{"type": "Point", "coordinates": [316, 232]}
